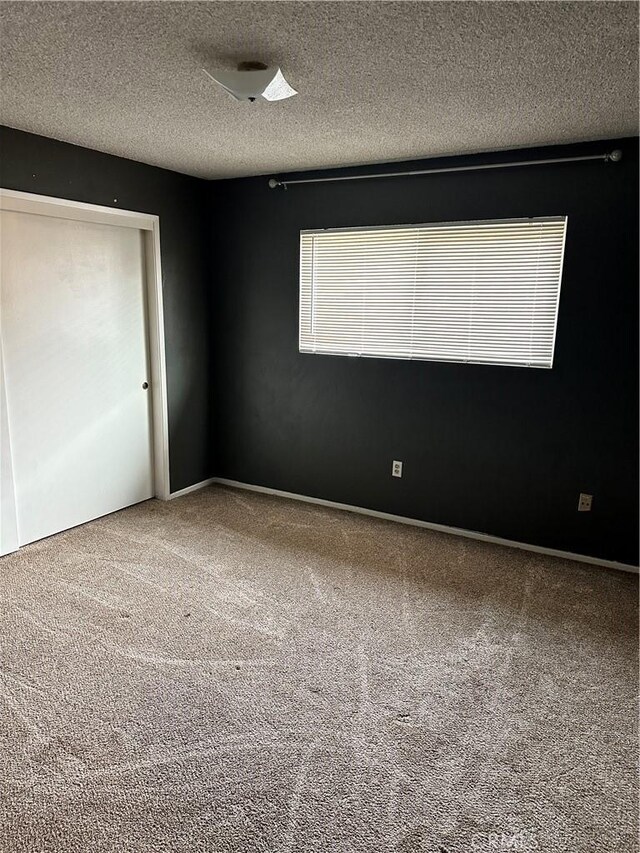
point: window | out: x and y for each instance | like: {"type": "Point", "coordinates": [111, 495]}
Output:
{"type": "Point", "coordinates": [484, 292]}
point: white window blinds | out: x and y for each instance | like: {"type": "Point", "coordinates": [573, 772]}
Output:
{"type": "Point", "coordinates": [472, 292]}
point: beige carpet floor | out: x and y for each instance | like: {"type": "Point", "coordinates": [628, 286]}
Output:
{"type": "Point", "coordinates": [234, 672]}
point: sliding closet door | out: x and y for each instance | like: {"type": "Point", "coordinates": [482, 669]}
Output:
{"type": "Point", "coordinates": [75, 362]}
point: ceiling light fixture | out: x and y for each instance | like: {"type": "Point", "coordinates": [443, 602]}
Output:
{"type": "Point", "coordinates": [253, 81]}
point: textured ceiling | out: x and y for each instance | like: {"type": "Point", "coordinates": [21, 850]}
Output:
{"type": "Point", "coordinates": [377, 81]}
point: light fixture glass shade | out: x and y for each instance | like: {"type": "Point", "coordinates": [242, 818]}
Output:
{"type": "Point", "coordinates": [266, 85]}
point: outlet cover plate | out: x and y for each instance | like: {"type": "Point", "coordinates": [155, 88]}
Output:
{"type": "Point", "coordinates": [585, 502]}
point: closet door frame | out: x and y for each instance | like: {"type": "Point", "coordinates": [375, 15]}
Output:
{"type": "Point", "coordinates": [149, 225]}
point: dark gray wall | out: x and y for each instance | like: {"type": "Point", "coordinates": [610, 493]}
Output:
{"type": "Point", "coordinates": [40, 165]}
{"type": "Point", "coordinates": [501, 450]}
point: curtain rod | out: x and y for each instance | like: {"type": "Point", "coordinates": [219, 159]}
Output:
{"type": "Point", "coordinates": [612, 157]}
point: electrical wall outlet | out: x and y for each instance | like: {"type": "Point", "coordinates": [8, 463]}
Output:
{"type": "Point", "coordinates": [584, 503]}
{"type": "Point", "coordinates": [396, 469]}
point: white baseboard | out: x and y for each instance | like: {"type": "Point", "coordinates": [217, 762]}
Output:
{"type": "Point", "coordinates": [193, 488]}
{"type": "Point", "coordinates": [416, 522]}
